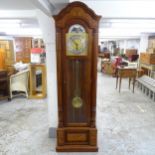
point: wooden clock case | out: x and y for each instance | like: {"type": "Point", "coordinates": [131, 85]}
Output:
{"type": "Point", "coordinates": [77, 127]}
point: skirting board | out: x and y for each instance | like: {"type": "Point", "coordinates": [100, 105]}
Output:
{"type": "Point", "coordinates": [52, 132]}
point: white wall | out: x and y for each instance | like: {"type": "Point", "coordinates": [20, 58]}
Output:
{"type": "Point", "coordinates": [133, 44]}
{"type": "Point", "coordinates": [129, 44]}
{"type": "Point", "coordinates": [143, 42]}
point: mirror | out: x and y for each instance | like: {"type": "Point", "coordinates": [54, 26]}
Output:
{"type": "Point", "coordinates": [37, 81]}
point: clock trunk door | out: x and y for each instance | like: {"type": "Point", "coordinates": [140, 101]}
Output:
{"type": "Point", "coordinates": [77, 80]}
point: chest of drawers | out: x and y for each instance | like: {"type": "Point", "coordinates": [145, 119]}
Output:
{"type": "Point", "coordinates": [147, 58]}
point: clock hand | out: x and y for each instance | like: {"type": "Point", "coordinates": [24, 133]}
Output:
{"type": "Point", "coordinates": [76, 45]}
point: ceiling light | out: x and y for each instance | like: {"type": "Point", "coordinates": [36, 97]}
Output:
{"type": "Point", "coordinates": [9, 21]}
{"type": "Point", "coordinates": [12, 25]}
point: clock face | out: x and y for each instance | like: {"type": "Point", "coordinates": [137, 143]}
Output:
{"type": "Point", "coordinates": [76, 41]}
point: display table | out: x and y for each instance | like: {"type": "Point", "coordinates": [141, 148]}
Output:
{"type": "Point", "coordinates": [126, 72]}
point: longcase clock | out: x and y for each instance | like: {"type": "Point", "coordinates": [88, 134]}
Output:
{"type": "Point", "coordinates": [77, 47]}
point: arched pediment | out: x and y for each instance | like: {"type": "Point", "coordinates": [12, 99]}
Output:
{"type": "Point", "coordinates": [77, 10]}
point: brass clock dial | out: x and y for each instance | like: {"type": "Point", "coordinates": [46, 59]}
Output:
{"type": "Point", "coordinates": [76, 41]}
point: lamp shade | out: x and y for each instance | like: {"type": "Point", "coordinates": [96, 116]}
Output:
{"type": "Point", "coordinates": [37, 50]}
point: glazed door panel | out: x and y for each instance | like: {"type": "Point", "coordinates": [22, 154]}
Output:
{"type": "Point", "coordinates": [76, 87]}
{"type": "Point", "coordinates": [76, 75]}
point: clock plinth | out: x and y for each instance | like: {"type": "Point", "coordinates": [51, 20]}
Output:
{"type": "Point", "coordinates": [77, 44]}
{"type": "Point", "coordinates": [81, 139]}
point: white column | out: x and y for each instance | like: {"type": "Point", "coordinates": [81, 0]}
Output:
{"type": "Point", "coordinates": [143, 42]}
{"type": "Point", "coordinates": [125, 46]}
{"type": "Point", "coordinates": [47, 25]}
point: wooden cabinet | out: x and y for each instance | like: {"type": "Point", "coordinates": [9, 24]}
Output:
{"type": "Point", "coordinates": [2, 58]}
{"type": "Point", "coordinates": [130, 52]}
{"type": "Point", "coordinates": [147, 58]}
{"type": "Point", "coordinates": [23, 47]}
{"type": "Point", "coordinates": [37, 81]}
{"type": "Point", "coordinates": [6, 53]}
{"type": "Point", "coordinates": [151, 42]}
{"type": "Point", "coordinates": [77, 51]}
{"type": "Point", "coordinates": [38, 43]}
{"type": "Point", "coordinates": [108, 68]}
{"type": "Point", "coordinates": [4, 93]}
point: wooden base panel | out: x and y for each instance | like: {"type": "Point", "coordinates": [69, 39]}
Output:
{"type": "Point", "coordinates": [79, 139]}
{"type": "Point", "coordinates": [79, 148]}
{"type": "Point", "coordinates": [37, 96]}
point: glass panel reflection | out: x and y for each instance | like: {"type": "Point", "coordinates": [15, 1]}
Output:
{"type": "Point", "coordinates": [38, 80]}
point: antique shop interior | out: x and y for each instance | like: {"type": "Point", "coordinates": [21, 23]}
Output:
{"type": "Point", "coordinates": [60, 56]}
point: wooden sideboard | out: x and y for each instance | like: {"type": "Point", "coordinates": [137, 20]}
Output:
{"type": "Point", "coordinates": [147, 63]}
{"type": "Point", "coordinates": [23, 47]}
{"type": "Point", "coordinates": [148, 69]}
{"type": "Point", "coordinates": [130, 52]}
{"type": "Point", "coordinates": [104, 55]}
{"type": "Point", "coordinates": [147, 58]}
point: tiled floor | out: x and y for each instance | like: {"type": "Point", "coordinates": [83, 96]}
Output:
{"type": "Point", "coordinates": [125, 122]}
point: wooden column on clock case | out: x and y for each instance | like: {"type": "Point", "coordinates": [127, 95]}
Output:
{"type": "Point", "coordinates": [77, 125]}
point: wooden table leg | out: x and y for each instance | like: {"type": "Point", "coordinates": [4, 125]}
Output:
{"type": "Point", "coordinates": [129, 82]}
{"type": "Point", "coordinates": [134, 80]}
{"type": "Point", "coordinates": [116, 81]}
{"type": "Point", "coordinates": [120, 80]}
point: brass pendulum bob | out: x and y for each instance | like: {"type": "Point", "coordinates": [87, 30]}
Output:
{"type": "Point", "coordinates": [77, 101]}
